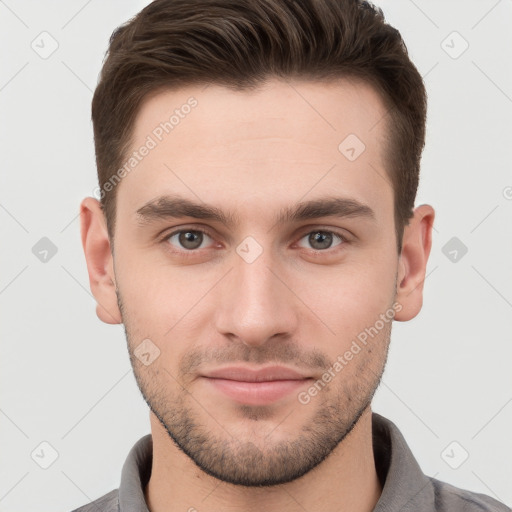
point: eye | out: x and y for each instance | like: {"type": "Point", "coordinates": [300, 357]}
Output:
{"type": "Point", "coordinates": [321, 240]}
{"type": "Point", "coordinates": [191, 240]}
{"type": "Point", "coordinates": [188, 239]}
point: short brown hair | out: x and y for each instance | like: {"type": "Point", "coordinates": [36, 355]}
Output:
{"type": "Point", "coordinates": [241, 43]}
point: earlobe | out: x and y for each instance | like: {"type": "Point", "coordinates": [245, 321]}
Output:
{"type": "Point", "coordinates": [417, 242]}
{"type": "Point", "coordinates": [100, 265]}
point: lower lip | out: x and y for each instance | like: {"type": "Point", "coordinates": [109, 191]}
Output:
{"type": "Point", "coordinates": [257, 393]}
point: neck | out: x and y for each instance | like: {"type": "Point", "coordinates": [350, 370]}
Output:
{"type": "Point", "coordinates": [345, 481]}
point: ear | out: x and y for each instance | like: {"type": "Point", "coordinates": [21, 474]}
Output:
{"type": "Point", "coordinates": [100, 264]}
{"type": "Point", "coordinates": [417, 241]}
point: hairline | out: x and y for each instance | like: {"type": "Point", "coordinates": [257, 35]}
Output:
{"type": "Point", "coordinates": [388, 141]}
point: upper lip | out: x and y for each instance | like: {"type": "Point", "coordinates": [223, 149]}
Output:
{"type": "Point", "coordinates": [260, 375]}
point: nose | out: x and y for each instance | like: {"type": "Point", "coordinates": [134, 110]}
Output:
{"type": "Point", "coordinates": [256, 303]}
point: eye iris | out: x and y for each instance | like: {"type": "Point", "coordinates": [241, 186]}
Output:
{"type": "Point", "coordinates": [190, 239]}
{"type": "Point", "coordinates": [324, 238]}
{"type": "Point", "coordinates": [193, 239]}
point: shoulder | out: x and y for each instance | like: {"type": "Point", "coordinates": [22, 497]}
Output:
{"type": "Point", "coordinates": [448, 497]}
{"type": "Point", "coordinates": [107, 503]}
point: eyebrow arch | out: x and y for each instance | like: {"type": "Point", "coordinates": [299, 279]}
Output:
{"type": "Point", "coordinates": [176, 207]}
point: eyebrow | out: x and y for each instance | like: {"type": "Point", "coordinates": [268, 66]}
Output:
{"type": "Point", "coordinates": [176, 207]}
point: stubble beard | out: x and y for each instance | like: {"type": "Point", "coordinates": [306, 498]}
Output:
{"type": "Point", "coordinates": [238, 460]}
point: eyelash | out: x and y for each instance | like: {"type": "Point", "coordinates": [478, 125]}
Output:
{"type": "Point", "coordinates": [187, 253]}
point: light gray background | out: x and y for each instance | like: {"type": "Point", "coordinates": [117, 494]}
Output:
{"type": "Point", "coordinates": [66, 377]}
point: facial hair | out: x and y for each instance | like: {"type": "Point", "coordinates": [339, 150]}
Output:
{"type": "Point", "coordinates": [240, 461]}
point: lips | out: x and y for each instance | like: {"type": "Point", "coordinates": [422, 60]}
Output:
{"type": "Point", "coordinates": [255, 387]}
{"type": "Point", "coordinates": [261, 375]}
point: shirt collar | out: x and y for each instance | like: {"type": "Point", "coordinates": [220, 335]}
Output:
{"type": "Point", "coordinates": [135, 476]}
{"type": "Point", "coordinates": [405, 487]}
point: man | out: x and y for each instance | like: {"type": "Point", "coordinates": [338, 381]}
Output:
{"type": "Point", "coordinates": [258, 163]}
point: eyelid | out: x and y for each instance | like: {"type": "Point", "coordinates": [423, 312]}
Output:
{"type": "Point", "coordinates": [305, 230]}
{"type": "Point", "coordinates": [175, 231]}
{"type": "Point", "coordinates": [341, 232]}
{"type": "Point", "coordinates": [330, 250]}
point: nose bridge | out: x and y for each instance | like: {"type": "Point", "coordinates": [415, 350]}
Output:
{"type": "Point", "coordinates": [256, 305]}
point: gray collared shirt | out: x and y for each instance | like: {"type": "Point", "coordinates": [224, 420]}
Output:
{"type": "Point", "coordinates": [404, 486]}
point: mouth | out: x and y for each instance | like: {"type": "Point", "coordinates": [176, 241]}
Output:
{"type": "Point", "coordinates": [256, 386]}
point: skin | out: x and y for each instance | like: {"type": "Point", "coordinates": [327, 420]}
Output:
{"type": "Point", "coordinates": [299, 303]}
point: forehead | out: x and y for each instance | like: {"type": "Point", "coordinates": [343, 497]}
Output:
{"type": "Point", "coordinates": [277, 143]}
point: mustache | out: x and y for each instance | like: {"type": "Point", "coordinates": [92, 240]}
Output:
{"type": "Point", "coordinates": [275, 352]}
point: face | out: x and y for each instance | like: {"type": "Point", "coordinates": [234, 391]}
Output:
{"type": "Point", "coordinates": [287, 261]}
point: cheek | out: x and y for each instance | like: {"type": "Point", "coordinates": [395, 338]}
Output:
{"type": "Point", "coordinates": [173, 306]}
{"type": "Point", "coordinates": [169, 307]}
{"type": "Point", "coordinates": [350, 298]}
